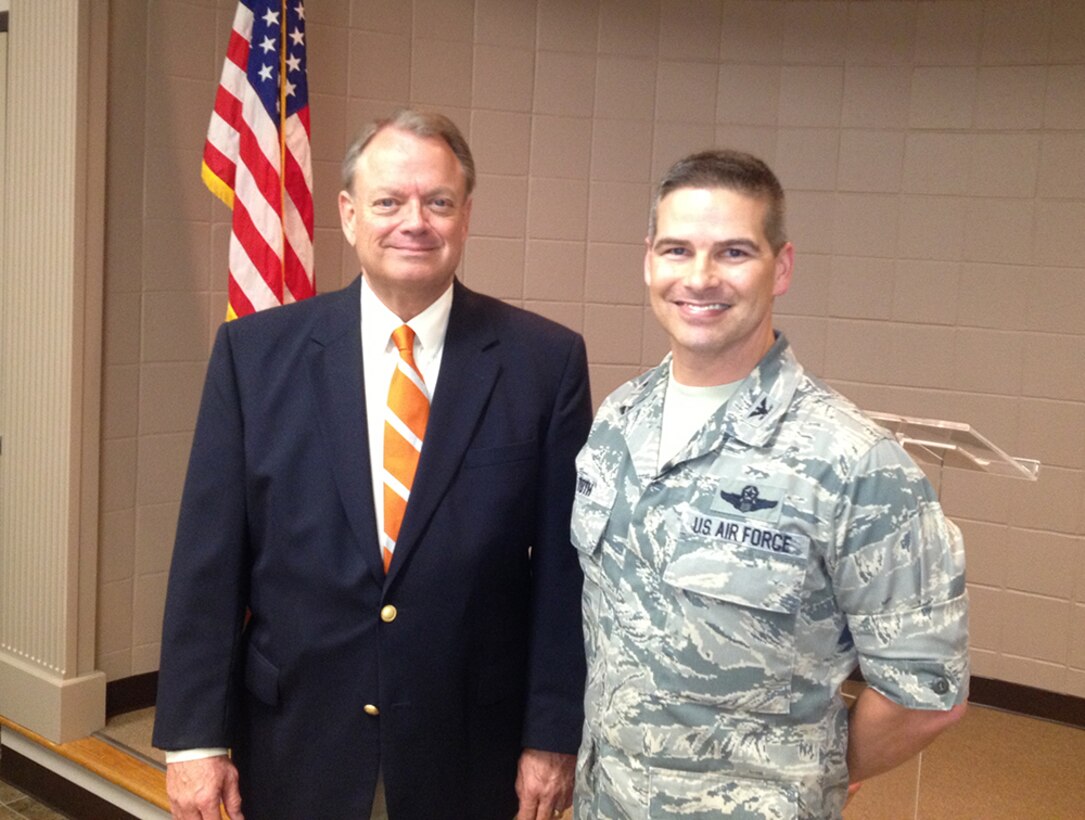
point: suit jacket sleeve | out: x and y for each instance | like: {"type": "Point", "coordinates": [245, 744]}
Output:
{"type": "Point", "coordinates": [207, 590]}
{"type": "Point", "coordinates": [555, 707]}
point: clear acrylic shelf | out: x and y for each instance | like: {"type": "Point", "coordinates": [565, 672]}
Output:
{"type": "Point", "coordinates": [954, 444]}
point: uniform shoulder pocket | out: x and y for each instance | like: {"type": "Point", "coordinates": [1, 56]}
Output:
{"type": "Point", "coordinates": [592, 506]}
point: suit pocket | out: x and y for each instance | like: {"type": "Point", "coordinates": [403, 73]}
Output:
{"type": "Point", "coordinates": [261, 677]}
{"type": "Point", "coordinates": [483, 456]}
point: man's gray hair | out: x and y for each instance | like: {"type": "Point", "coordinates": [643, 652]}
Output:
{"type": "Point", "coordinates": [424, 124]}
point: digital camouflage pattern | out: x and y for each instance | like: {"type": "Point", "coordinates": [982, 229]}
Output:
{"type": "Point", "coordinates": [728, 594]}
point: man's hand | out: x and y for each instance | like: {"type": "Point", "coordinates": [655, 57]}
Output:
{"type": "Point", "coordinates": [544, 784]}
{"type": "Point", "coordinates": [197, 787]}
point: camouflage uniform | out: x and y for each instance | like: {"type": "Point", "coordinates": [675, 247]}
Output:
{"type": "Point", "coordinates": [729, 593]}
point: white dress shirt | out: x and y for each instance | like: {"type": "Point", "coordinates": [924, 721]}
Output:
{"type": "Point", "coordinates": [379, 357]}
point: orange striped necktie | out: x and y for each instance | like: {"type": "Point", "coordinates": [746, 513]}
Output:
{"type": "Point", "coordinates": [404, 427]}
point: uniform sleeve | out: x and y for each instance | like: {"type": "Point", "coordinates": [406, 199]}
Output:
{"type": "Point", "coordinates": [898, 574]}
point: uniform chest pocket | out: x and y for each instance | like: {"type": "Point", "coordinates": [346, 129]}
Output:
{"type": "Point", "coordinates": [732, 612]}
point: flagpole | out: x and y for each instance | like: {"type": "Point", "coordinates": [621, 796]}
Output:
{"type": "Point", "coordinates": [282, 143]}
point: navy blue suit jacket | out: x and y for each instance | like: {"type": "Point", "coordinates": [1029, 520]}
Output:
{"type": "Point", "coordinates": [484, 656]}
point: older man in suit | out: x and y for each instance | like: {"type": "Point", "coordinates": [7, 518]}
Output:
{"type": "Point", "coordinates": [373, 579]}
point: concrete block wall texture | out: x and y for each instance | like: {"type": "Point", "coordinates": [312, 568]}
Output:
{"type": "Point", "coordinates": [934, 155]}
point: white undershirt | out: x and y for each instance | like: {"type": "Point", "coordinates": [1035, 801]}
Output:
{"type": "Point", "coordinates": [379, 357]}
{"type": "Point", "coordinates": [685, 410]}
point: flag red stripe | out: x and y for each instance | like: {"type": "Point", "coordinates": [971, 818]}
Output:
{"type": "Point", "coordinates": [228, 107]}
{"type": "Point", "coordinates": [299, 194]}
{"type": "Point", "coordinates": [220, 165]}
{"type": "Point", "coordinates": [238, 300]}
{"type": "Point", "coordinates": [297, 280]}
{"type": "Point", "coordinates": [264, 258]}
{"type": "Point", "coordinates": [237, 50]}
{"type": "Point", "coordinates": [260, 168]}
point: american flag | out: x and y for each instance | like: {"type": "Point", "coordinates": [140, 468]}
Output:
{"type": "Point", "coordinates": [256, 158]}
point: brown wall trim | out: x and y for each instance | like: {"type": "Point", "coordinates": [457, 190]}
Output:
{"type": "Point", "coordinates": [1027, 700]}
{"type": "Point", "coordinates": [129, 694]}
{"type": "Point", "coordinates": [50, 788]}
{"type": "Point", "coordinates": [1021, 699]}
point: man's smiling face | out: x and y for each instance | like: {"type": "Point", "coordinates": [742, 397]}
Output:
{"type": "Point", "coordinates": [407, 216]}
{"type": "Point", "coordinates": [712, 277]}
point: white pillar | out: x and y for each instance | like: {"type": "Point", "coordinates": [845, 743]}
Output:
{"type": "Point", "coordinates": [50, 364]}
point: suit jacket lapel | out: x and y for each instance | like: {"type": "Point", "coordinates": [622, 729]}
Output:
{"type": "Point", "coordinates": [339, 396]}
{"type": "Point", "coordinates": [469, 369]}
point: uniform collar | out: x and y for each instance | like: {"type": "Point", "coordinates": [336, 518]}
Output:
{"type": "Point", "coordinates": [756, 410]}
{"type": "Point", "coordinates": [751, 416]}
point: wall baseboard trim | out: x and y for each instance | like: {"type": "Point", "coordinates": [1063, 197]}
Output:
{"type": "Point", "coordinates": [85, 778]}
{"type": "Point", "coordinates": [56, 791]}
{"type": "Point", "coordinates": [1027, 700]}
{"type": "Point", "coordinates": [130, 694]}
{"type": "Point", "coordinates": [1021, 700]}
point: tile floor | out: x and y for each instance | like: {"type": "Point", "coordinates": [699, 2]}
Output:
{"type": "Point", "coordinates": [992, 766]}
{"type": "Point", "coordinates": [14, 805]}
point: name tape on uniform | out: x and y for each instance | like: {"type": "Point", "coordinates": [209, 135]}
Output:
{"type": "Point", "coordinates": [748, 534]}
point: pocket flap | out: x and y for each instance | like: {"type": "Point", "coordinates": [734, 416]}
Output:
{"type": "Point", "coordinates": [730, 572]}
{"type": "Point", "coordinates": [261, 677]}
{"type": "Point", "coordinates": [481, 456]}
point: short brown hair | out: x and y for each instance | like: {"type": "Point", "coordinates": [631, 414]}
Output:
{"type": "Point", "coordinates": [423, 124]}
{"type": "Point", "coordinates": [734, 171]}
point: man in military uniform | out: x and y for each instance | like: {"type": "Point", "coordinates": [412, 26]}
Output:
{"type": "Point", "coordinates": [748, 538]}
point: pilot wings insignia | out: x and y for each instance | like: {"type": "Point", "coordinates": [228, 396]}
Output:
{"type": "Point", "coordinates": [748, 500]}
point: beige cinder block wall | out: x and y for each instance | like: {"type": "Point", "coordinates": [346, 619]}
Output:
{"type": "Point", "coordinates": [935, 158]}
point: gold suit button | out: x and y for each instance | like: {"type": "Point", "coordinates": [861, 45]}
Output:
{"type": "Point", "coordinates": [370, 709]}
{"type": "Point", "coordinates": [388, 613]}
